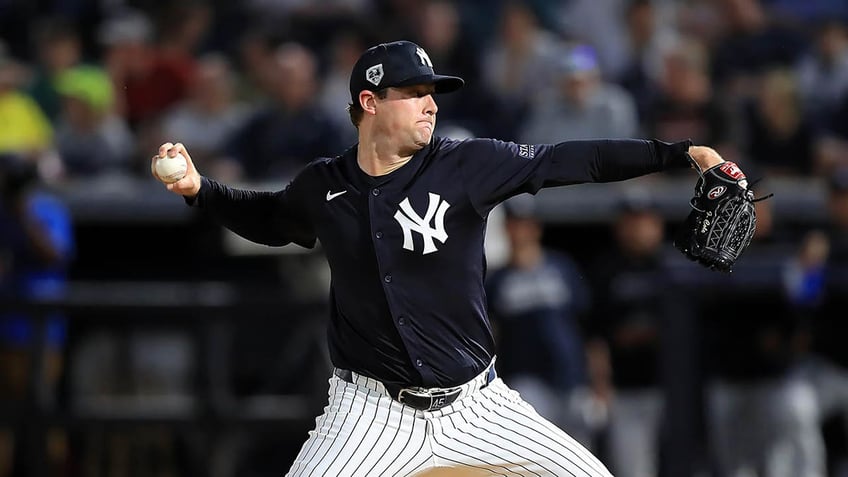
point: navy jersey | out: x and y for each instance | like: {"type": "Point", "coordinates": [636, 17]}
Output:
{"type": "Point", "coordinates": [406, 249]}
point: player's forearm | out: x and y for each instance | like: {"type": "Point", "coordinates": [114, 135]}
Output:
{"type": "Point", "coordinates": [612, 160]}
{"type": "Point", "coordinates": [248, 213]}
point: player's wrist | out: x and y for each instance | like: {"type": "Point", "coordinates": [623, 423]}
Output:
{"type": "Point", "coordinates": [191, 197]}
{"type": "Point", "coordinates": [704, 157]}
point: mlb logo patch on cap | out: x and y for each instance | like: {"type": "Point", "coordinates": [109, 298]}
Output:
{"type": "Point", "coordinates": [374, 74]}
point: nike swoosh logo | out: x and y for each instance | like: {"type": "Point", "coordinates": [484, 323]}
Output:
{"type": "Point", "coordinates": [331, 196]}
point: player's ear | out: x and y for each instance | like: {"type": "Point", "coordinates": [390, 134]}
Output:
{"type": "Point", "coordinates": [368, 101]}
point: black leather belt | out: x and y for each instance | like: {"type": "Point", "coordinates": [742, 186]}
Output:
{"type": "Point", "coordinates": [420, 398]}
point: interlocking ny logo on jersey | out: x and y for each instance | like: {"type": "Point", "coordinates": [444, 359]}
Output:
{"type": "Point", "coordinates": [410, 221]}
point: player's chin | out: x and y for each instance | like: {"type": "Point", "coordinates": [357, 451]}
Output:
{"type": "Point", "coordinates": [423, 137]}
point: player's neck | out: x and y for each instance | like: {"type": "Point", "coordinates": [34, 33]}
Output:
{"type": "Point", "coordinates": [378, 158]}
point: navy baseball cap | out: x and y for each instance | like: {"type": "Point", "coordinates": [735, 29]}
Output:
{"type": "Point", "coordinates": [399, 63]}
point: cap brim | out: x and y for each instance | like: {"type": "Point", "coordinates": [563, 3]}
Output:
{"type": "Point", "coordinates": [443, 84]}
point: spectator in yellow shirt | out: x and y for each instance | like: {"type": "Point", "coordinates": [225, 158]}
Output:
{"type": "Point", "coordinates": [24, 128]}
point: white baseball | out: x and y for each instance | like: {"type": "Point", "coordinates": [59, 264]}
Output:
{"type": "Point", "coordinates": [171, 169]}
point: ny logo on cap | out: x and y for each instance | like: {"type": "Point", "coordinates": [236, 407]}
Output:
{"type": "Point", "coordinates": [374, 74]}
{"type": "Point", "coordinates": [425, 60]}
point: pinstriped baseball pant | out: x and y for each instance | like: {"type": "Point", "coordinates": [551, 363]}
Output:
{"type": "Point", "coordinates": [491, 432]}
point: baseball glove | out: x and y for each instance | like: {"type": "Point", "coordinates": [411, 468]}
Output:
{"type": "Point", "coordinates": [723, 219]}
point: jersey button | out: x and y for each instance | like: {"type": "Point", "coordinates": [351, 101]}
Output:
{"type": "Point", "coordinates": [402, 320]}
{"type": "Point", "coordinates": [375, 192]}
{"type": "Point", "coordinates": [419, 363]}
{"type": "Point", "coordinates": [379, 235]}
{"type": "Point", "coordinates": [388, 278]}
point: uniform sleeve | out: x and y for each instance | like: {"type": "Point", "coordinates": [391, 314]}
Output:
{"type": "Point", "coordinates": [495, 170]}
{"type": "Point", "coordinates": [269, 218]}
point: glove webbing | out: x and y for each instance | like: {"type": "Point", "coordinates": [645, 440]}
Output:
{"type": "Point", "coordinates": [742, 224]}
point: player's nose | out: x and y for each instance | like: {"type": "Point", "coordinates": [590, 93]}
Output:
{"type": "Point", "coordinates": [430, 106]}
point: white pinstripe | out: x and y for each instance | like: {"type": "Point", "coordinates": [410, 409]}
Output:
{"type": "Point", "coordinates": [363, 433]}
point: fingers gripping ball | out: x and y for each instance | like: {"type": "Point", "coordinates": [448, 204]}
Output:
{"type": "Point", "coordinates": [722, 222]}
{"type": "Point", "coordinates": [170, 169]}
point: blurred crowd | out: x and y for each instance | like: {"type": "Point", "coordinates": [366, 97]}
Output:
{"type": "Point", "coordinates": [257, 89]}
{"type": "Point", "coordinates": [639, 356]}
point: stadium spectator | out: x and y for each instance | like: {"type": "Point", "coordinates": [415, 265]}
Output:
{"type": "Point", "coordinates": [58, 47]}
{"type": "Point", "coordinates": [579, 104]}
{"type": "Point", "coordinates": [647, 35]}
{"type": "Point", "coordinates": [601, 25]}
{"type": "Point", "coordinates": [88, 123]}
{"type": "Point", "coordinates": [827, 365]}
{"type": "Point", "coordinates": [823, 71]}
{"type": "Point", "coordinates": [280, 137]}
{"type": "Point", "coordinates": [685, 104]}
{"type": "Point", "coordinates": [779, 138]}
{"type": "Point", "coordinates": [211, 114]}
{"type": "Point", "coordinates": [253, 60]}
{"type": "Point", "coordinates": [537, 301]}
{"type": "Point", "coordinates": [146, 81]}
{"type": "Point", "coordinates": [37, 247]}
{"type": "Point", "coordinates": [751, 42]}
{"type": "Point", "coordinates": [26, 129]}
{"type": "Point", "coordinates": [517, 63]}
{"type": "Point", "coordinates": [342, 52]}
{"type": "Point", "coordinates": [634, 299]}
{"type": "Point", "coordinates": [184, 28]}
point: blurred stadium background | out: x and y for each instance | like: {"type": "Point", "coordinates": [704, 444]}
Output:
{"type": "Point", "coordinates": [139, 339]}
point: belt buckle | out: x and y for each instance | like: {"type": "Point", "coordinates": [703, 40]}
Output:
{"type": "Point", "coordinates": [438, 399]}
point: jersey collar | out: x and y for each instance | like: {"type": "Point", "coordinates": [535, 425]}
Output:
{"type": "Point", "coordinates": [398, 178]}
